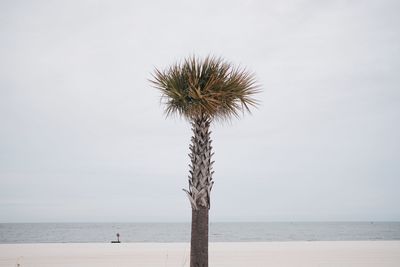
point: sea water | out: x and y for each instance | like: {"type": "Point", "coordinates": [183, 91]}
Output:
{"type": "Point", "coordinates": [180, 232]}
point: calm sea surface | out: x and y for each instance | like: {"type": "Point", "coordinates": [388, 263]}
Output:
{"type": "Point", "coordinates": [180, 232]}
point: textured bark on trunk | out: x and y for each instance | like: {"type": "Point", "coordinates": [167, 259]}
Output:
{"type": "Point", "coordinates": [199, 239]}
{"type": "Point", "coordinates": [200, 185]}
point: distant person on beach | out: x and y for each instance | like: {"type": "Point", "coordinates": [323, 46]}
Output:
{"type": "Point", "coordinates": [117, 239]}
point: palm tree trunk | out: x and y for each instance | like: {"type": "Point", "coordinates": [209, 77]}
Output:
{"type": "Point", "coordinates": [200, 185]}
{"type": "Point", "coordinates": [199, 238]}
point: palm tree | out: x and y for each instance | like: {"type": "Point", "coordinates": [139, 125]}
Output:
{"type": "Point", "coordinates": [203, 91]}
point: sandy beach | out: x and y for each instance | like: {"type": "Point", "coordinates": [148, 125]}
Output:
{"type": "Point", "coordinates": [318, 253]}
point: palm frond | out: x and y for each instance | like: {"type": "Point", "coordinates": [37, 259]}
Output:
{"type": "Point", "coordinates": [211, 87]}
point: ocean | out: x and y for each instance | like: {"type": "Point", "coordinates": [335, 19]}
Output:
{"type": "Point", "coordinates": [180, 232]}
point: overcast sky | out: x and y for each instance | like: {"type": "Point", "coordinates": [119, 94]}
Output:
{"type": "Point", "coordinates": [83, 137]}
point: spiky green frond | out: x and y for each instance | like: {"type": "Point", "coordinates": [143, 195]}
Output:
{"type": "Point", "coordinates": [211, 87]}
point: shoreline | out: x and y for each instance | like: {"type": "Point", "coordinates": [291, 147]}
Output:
{"type": "Point", "coordinates": [282, 253]}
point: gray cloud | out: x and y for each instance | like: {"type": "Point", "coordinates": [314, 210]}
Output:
{"type": "Point", "coordinates": [83, 137]}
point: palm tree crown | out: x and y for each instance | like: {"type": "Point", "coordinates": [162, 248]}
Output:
{"type": "Point", "coordinates": [212, 88]}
